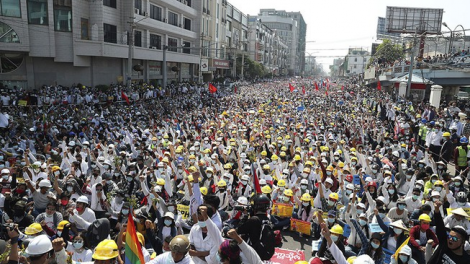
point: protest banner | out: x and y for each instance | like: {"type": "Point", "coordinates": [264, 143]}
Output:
{"type": "Point", "coordinates": [184, 210]}
{"type": "Point", "coordinates": [285, 256]}
{"type": "Point", "coordinates": [282, 209]}
{"type": "Point", "coordinates": [300, 226]}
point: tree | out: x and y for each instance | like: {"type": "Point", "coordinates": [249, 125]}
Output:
{"type": "Point", "coordinates": [388, 52]}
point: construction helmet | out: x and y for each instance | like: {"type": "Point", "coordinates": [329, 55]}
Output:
{"type": "Point", "coordinates": [222, 183]}
{"type": "Point", "coordinates": [264, 153]}
{"type": "Point", "coordinates": [204, 190]}
{"type": "Point", "coordinates": [274, 157]}
{"type": "Point", "coordinates": [228, 166]}
{"type": "Point", "coordinates": [424, 217]}
{"type": "Point", "coordinates": [106, 249]}
{"type": "Point", "coordinates": [266, 189]}
{"type": "Point", "coordinates": [446, 134]}
{"type": "Point", "coordinates": [334, 196]}
{"type": "Point", "coordinates": [288, 192]}
{"type": "Point", "coordinates": [337, 230]}
{"type": "Point", "coordinates": [266, 167]}
{"type": "Point", "coordinates": [297, 157]}
{"type": "Point", "coordinates": [281, 183]}
{"type": "Point", "coordinates": [62, 224]}
{"type": "Point", "coordinates": [179, 244]}
{"type": "Point", "coordinates": [39, 245]}
{"type": "Point", "coordinates": [329, 168]}
{"type": "Point", "coordinates": [190, 178]}
{"type": "Point", "coordinates": [306, 197]}
{"type": "Point", "coordinates": [282, 154]}
{"type": "Point", "coordinates": [33, 229]}
{"type": "Point", "coordinates": [55, 168]}
{"type": "Point", "coordinates": [341, 164]}
{"type": "Point", "coordinates": [160, 181]}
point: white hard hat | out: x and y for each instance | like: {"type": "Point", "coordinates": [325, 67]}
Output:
{"type": "Point", "coordinates": [364, 259]}
{"type": "Point", "coordinates": [86, 143]}
{"type": "Point", "coordinates": [406, 250]}
{"type": "Point", "coordinates": [5, 171]}
{"type": "Point", "coordinates": [286, 171]}
{"type": "Point", "coordinates": [82, 199]}
{"type": "Point", "coordinates": [242, 200]}
{"type": "Point", "coordinates": [245, 177]}
{"type": "Point", "coordinates": [243, 155]}
{"type": "Point", "coordinates": [39, 245]}
{"type": "Point", "coordinates": [72, 143]}
{"type": "Point", "coordinates": [37, 163]}
{"type": "Point", "coordinates": [45, 183]}
{"type": "Point", "coordinates": [304, 181]}
{"type": "Point", "coordinates": [262, 181]}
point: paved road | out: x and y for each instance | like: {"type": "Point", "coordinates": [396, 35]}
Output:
{"type": "Point", "coordinates": [292, 241]}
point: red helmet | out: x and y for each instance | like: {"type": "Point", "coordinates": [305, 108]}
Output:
{"type": "Point", "coordinates": [349, 178]}
{"type": "Point", "coordinates": [372, 183]}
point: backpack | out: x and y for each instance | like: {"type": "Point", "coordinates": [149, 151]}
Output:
{"type": "Point", "coordinates": [267, 240]}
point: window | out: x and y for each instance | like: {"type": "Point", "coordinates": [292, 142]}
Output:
{"type": "Point", "coordinates": [63, 15]}
{"type": "Point", "coordinates": [172, 19]}
{"type": "Point", "coordinates": [37, 12]}
{"type": "Point", "coordinates": [187, 23]}
{"type": "Point", "coordinates": [172, 44]}
{"type": "Point", "coordinates": [10, 8]}
{"type": "Point", "coordinates": [138, 5]}
{"type": "Point", "coordinates": [205, 48]}
{"type": "Point", "coordinates": [84, 29]}
{"type": "Point", "coordinates": [155, 12]}
{"type": "Point", "coordinates": [138, 38]}
{"type": "Point", "coordinates": [187, 46]}
{"type": "Point", "coordinates": [155, 41]}
{"type": "Point", "coordinates": [110, 33]}
{"type": "Point", "coordinates": [217, 10]}
{"type": "Point", "coordinates": [110, 3]}
{"type": "Point", "coordinates": [216, 31]}
{"type": "Point", "coordinates": [7, 34]}
{"type": "Point", "coordinates": [355, 59]}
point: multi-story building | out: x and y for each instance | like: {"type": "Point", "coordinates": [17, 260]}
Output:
{"type": "Point", "coordinates": [356, 61]}
{"type": "Point", "coordinates": [292, 28]}
{"type": "Point", "coordinates": [236, 37]}
{"type": "Point", "coordinates": [335, 68]}
{"type": "Point", "coordinates": [66, 42]}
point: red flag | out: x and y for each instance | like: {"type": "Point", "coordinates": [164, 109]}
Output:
{"type": "Point", "coordinates": [255, 179]}
{"type": "Point", "coordinates": [291, 87]}
{"type": "Point", "coordinates": [235, 89]}
{"type": "Point", "coordinates": [316, 86]}
{"type": "Point", "coordinates": [212, 88]}
{"type": "Point", "coordinates": [124, 96]}
{"type": "Point", "coordinates": [326, 92]}
{"type": "Point", "coordinates": [342, 87]}
{"type": "Point", "coordinates": [303, 89]}
{"type": "Point", "coordinates": [379, 87]}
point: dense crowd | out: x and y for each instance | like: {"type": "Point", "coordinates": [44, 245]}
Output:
{"type": "Point", "coordinates": [221, 177]}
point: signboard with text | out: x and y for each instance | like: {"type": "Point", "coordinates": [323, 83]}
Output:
{"type": "Point", "coordinates": [220, 64]}
{"type": "Point", "coordinates": [285, 256]}
{"type": "Point", "coordinates": [204, 65]}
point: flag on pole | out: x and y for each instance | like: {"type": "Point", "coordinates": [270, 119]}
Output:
{"type": "Point", "coordinates": [316, 86]}
{"type": "Point", "coordinates": [379, 86]}
{"type": "Point", "coordinates": [212, 88]}
{"type": "Point", "coordinates": [395, 256]}
{"type": "Point", "coordinates": [303, 89]}
{"type": "Point", "coordinates": [255, 179]}
{"type": "Point", "coordinates": [291, 87]}
{"type": "Point", "coordinates": [133, 248]}
{"type": "Point", "coordinates": [124, 96]}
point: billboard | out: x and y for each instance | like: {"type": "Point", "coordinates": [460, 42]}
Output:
{"type": "Point", "coordinates": [414, 20]}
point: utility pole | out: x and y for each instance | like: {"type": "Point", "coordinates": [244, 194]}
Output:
{"type": "Point", "coordinates": [243, 65]}
{"type": "Point", "coordinates": [164, 67]}
{"type": "Point", "coordinates": [410, 72]}
{"type": "Point", "coordinates": [130, 43]}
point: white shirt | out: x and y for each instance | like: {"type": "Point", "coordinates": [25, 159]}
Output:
{"type": "Point", "coordinates": [166, 258]}
{"type": "Point", "coordinates": [84, 220]}
{"type": "Point", "coordinates": [84, 256]}
{"type": "Point", "coordinates": [49, 221]}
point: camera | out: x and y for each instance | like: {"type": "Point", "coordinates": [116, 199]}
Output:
{"type": "Point", "coordinates": [242, 208]}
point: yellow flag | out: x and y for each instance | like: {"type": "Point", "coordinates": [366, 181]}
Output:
{"type": "Point", "coordinates": [395, 256]}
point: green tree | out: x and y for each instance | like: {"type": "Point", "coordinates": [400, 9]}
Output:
{"type": "Point", "coordinates": [388, 51]}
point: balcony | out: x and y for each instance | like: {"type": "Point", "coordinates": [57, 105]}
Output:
{"type": "Point", "coordinates": [181, 6]}
{"type": "Point", "coordinates": [166, 28]}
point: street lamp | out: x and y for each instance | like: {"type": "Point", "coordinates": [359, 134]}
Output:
{"type": "Point", "coordinates": [452, 34]}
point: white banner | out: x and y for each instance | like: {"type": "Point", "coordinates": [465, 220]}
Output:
{"type": "Point", "coordinates": [204, 65]}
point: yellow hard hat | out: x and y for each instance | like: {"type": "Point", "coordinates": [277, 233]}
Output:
{"type": "Point", "coordinates": [288, 192]}
{"type": "Point", "coordinates": [274, 157]}
{"type": "Point", "coordinates": [166, 136]}
{"type": "Point", "coordinates": [306, 170]}
{"type": "Point", "coordinates": [62, 224]}
{"type": "Point", "coordinates": [281, 183]}
{"type": "Point", "coordinates": [334, 196]}
{"type": "Point", "coordinates": [204, 190]}
{"type": "Point", "coordinates": [221, 183]}
{"type": "Point", "coordinates": [190, 178]}
{"type": "Point", "coordinates": [55, 168]}
{"type": "Point", "coordinates": [192, 169]}
{"type": "Point", "coordinates": [353, 150]}
{"type": "Point", "coordinates": [298, 149]}
{"type": "Point", "coordinates": [192, 156]}
{"type": "Point", "coordinates": [268, 136]}
{"type": "Point", "coordinates": [178, 150]}
{"type": "Point", "coordinates": [287, 137]}
{"type": "Point", "coordinates": [228, 166]}
{"type": "Point", "coordinates": [337, 230]}
{"type": "Point", "coordinates": [424, 217]}
{"type": "Point", "coordinates": [326, 149]}
{"type": "Point", "coordinates": [207, 151]}
{"type": "Point", "coordinates": [341, 164]}
{"type": "Point", "coordinates": [282, 154]}
{"type": "Point", "coordinates": [439, 182]}
{"type": "Point", "coordinates": [306, 197]}
{"type": "Point", "coordinates": [106, 249]}
{"type": "Point", "coordinates": [266, 167]}
{"type": "Point", "coordinates": [33, 229]}
{"type": "Point", "coordinates": [266, 189]}
{"type": "Point", "coordinates": [446, 134]}
{"type": "Point", "coordinates": [291, 164]}
{"type": "Point", "coordinates": [301, 262]}
{"type": "Point", "coordinates": [354, 158]}
{"type": "Point", "coordinates": [165, 159]}
{"type": "Point", "coordinates": [297, 157]}
{"type": "Point", "coordinates": [329, 168]}
{"type": "Point", "coordinates": [309, 163]}
{"type": "Point", "coordinates": [160, 181]}
{"type": "Point", "coordinates": [284, 148]}
{"type": "Point", "coordinates": [264, 153]}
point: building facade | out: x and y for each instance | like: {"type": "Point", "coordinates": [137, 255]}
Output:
{"type": "Point", "coordinates": [356, 61]}
{"type": "Point", "coordinates": [66, 42]}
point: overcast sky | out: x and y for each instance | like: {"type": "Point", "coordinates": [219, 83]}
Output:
{"type": "Point", "coordinates": [340, 24]}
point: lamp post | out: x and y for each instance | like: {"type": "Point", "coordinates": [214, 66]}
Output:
{"type": "Point", "coordinates": [452, 35]}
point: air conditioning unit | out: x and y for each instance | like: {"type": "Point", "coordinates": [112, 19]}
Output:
{"type": "Point", "coordinates": [153, 47]}
{"type": "Point", "coordinates": [137, 11]}
{"type": "Point", "coordinates": [146, 14]}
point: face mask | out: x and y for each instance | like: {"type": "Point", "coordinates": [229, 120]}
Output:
{"type": "Point", "coordinates": [408, 177]}
{"type": "Point", "coordinates": [375, 246]}
{"type": "Point", "coordinates": [462, 204]}
{"type": "Point", "coordinates": [331, 203]}
{"type": "Point", "coordinates": [171, 208]}
{"type": "Point", "coordinates": [404, 259]}
{"type": "Point", "coordinates": [359, 211]}
{"type": "Point", "coordinates": [328, 173]}
{"type": "Point", "coordinates": [440, 167]}
{"type": "Point", "coordinates": [202, 224]}
{"type": "Point", "coordinates": [334, 238]}
{"type": "Point", "coordinates": [401, 206]}
{"type": "Point", "coordinates": [305, 204]}
{"type": "Point", "coordinates": [391, 191]}
{"type": "Point", "coordinates": [59, 233]}
{"type": "Point", "coordinates": [457, 183]}
{"type": "Point", "coordinates": [5, 177]}
{"type": "Point", "coordinates": [106, 166]}
{"type": "Point", "coordinates": [438, 188]}
{"type": "Point", "coordinates": [303, 187]}
{"type": "Point", "coordinates": [374, 171]}
{"type": "Point", "coordinates": [160, 170]}
{"type": "Point", "coordinates": [244, 182]}
{"type": "Point", "coordinates": [433, 181]}
{"type": "Point", "coordinates": [415, 197]}
{"type": "Point", "coordinates": [425, 226]}
{"type": "Point", "coordinates": [331, 220]}
{"type": "Point", "coordinates": [274, 162]}
{"type": "Point", "coordinates": [421, 165]}
{"type": "Point", "coordinates": [129, 179]}
{"type": "Point", "coordinates": [69, 188]}
{"type": "Point", "coordinates": [435, 199]}
{"type": "Point", "coordinates": [362, 222]}
{"type": "Point", "coordinates": [353, 163]}
{"type": "Point", "coordinates": [382, 215]}
{"type": "Point", "coordinates": [93, 165]}
{"type": "Point", "coordinates": [286, 199]}
{"type": "Point", "coordinates": [167, 222]}
{"type": "Point", "coordinates": [397, 231]}
{"type": "Point", "coordinates": [209, 175]}
{"type": "Point", "coordinates": [77, 245]}
{"type": "Point", "coordinates": [125, 211]}
{"type": "Point", "coordinates": [64, 202]}
{"type": "Point", "coordinates": [56, 173]}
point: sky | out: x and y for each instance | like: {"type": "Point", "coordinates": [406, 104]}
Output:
{"type": "Point", "coordinates": [339, 24]}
